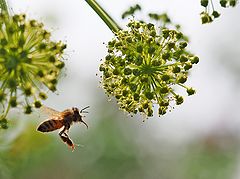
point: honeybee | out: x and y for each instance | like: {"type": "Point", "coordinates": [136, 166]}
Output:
{"type": "Point", "coordinates": [63, 120]}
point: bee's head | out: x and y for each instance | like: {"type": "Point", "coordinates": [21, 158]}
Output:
{"type": "Point", "coordinates": [78, 116]}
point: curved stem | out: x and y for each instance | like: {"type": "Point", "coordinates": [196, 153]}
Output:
{"type": "Point", "coordinates": [7, 110]}
{"type": "Point", "coordinates": [113, 26]}
{"type": "Point", "coordinates": [3, 6]}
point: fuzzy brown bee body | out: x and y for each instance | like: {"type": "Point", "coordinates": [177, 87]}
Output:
{"type": "Point", "coordinates": [50, 125]}
{"type": "Point", "coordinates": [63, 119]}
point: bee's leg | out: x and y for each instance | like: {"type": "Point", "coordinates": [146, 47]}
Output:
{"type": "Point", "coordinates": [65, 138]}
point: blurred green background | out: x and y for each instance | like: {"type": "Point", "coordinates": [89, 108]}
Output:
{"type": "Point", "coordinates": [197, 140]}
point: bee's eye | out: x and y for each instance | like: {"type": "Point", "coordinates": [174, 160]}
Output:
{"type": "Point", "coordinates": [75, 110]}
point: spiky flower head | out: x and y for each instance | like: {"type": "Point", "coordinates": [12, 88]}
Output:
{"type": "Point", "coordinates": [29, 61]}
{"type": "Point", "coordinates": [144, 65]}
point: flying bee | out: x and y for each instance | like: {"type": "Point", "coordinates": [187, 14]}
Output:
{"type": "Point", "coordinates": [63, 120]}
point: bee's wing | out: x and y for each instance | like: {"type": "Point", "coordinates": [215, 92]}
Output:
{"type": "Point", "coordinates": [49, 111]}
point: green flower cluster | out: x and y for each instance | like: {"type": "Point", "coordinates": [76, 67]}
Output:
{"type": "Point", "coordinates": [209, 14]}
{"type": "Point", "coordinates": [143, 66]}
{"type": "Point", "coordinates": [29, 60]}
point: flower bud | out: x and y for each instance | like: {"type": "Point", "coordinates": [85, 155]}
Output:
{"type": "Point", "coordinates": [149, 95]}
{"type": "Point", "coordinates": [223, 3]}
{"type": "Point", "coordinates": [136, 72]}
{"type": "Point", "coordinates": [182, 79]}
{"type": "Point", "coordinates": [136, 96]}
{"type": "Point", "coordinates": [42, 96]}
{"type": "Point", "coordinates": [149, 112]}
{"type": "Point", "coordinates": [139, 61]}
{"type": "Point", "coordinates": [183, 58]}
{"type": "Point", "coordinates": [3, 123]}
{"type": "Point", "coordinates": [187, 66]}
{"type": "Point", "coordinates": [195, 60]}
{"type": "Point", "coordinates": [133, 87]}
{"type": "Point", "coordinates": [2, 96]}
{"type": "Point", "coordinates": [233, 3]}
{"type": "Point", "coordinates": [182, 45]}
{"type": "Point", "coordinates": [179, 99]}
{"type": "Point", "coordinates": [176, 69]}
{"type": "Point", "coordinates": [204, 3]}
{"type": "Point", "coordinates": [165, 56]}
{"type": "Point", "coordinates": [151, 50]}
{"type": "Point", "coordinates": [164, 103]}
{"type": "Point", "coordinates": [12, 83]}
{"type": "Point", "coordinates": [190, 91]}
{"type": "Point", "coordinates": [28, 109]}
{"type": "Point", "coordinates": [171, 45]}
{"type": "Point", "coordinates": [28, 89]}
{"type": "Point", "coordinates": [125, 93]}
{"type": "Point", "coordinates": [127, 71]}
{"type": "Point", "coordinates": [162, 111]}
{"type": "Point", "coordinates": [37, 104]}
{"type": "Point", "coordinates": [13, 101]}
{"type": "Point", "coordinates": [215, 14]}
{"type": "Point", "coordinates": [165, 77]}
{"type": "Point", "coordinates": [164, 90]}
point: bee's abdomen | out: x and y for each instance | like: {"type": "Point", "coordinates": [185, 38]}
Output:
{"type": "Point", "coordinates": [50, 125]}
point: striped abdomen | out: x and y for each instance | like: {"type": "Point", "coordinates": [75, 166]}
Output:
{"type": "Point", "coordinates": [50, 125]}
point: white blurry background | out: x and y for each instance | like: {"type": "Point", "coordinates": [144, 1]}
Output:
{"type": "Point", "coordinates": [215, 107]}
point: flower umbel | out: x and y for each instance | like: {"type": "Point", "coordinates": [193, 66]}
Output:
{"type": "Point", "coordinates": [29, 60]}
{"type": "Point", "coordinates": [143, 66]}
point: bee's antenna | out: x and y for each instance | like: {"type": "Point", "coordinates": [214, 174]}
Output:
{"type": "Point", "coordinates": [82, 110]}
{"type": "Point", "coordinates": [84, 123]}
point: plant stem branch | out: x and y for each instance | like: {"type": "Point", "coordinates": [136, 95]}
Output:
{"type": "Point", "coordinates": [113, 26]}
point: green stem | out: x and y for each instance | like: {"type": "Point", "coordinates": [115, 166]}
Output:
{"type": "Point", "coordinates": [7, 110]}
{"type": "Point", "coordinates": [113, 26]}
{"type": "Point", "coordinates": [3, 6]}
{"type": "Point", "coordinates": [182, 85]}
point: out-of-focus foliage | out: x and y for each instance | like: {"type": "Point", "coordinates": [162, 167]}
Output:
{"type": "Point", "coordinates": [131, 11]}
{"type": "Point", "coordinates": [213, 156]}
{"type": "Point", "coordinates": [114, 149]}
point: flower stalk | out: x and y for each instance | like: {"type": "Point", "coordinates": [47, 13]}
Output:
{"type": "Point", "coordinates": [113, 26]}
